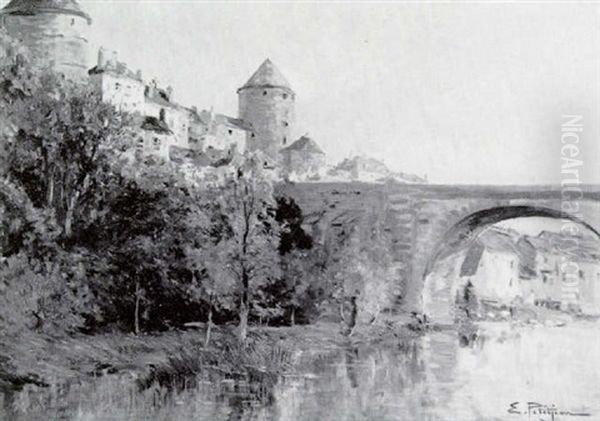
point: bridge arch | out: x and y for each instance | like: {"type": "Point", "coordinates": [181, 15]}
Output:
{"type": "Point", "coordinates": [438, 298]}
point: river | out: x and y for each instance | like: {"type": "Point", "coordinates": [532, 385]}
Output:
{"type": "Point", "coordinates": [506, 373]}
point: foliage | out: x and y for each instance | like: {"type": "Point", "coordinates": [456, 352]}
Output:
{"type": "Point", "coordinates": [363, 278]}
{"type": "Point", "coordinates": [248, 249]}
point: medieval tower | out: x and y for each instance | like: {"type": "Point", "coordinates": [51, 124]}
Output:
{"type": "Point", "coordinates": [266, 102]}
{"type": "Point", "coordinates": [53, 30]}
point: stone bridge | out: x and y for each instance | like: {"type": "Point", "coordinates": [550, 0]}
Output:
{"type": "Point", "coordinates": [428, 222]}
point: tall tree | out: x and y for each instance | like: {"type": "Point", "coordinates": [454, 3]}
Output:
{"type": "Point", "coordinates": [248, 251]}
{"type": "Point", "coordinates": [67, 139]}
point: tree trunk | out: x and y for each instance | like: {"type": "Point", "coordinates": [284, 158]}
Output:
{"type": "Point", "coordinates": [208, 327]}
{"type": "Point", "coordinates": [69, 216]}
{"type": "Point", "coordinates": [51, 190]}
{"type": "Point", "coordinates": [244, 308]}
{"type": "Point", "coordinates": [293, 317]}
{"type": "Point", "coordinates": [137, 308]}
{"type": "Point", "coordinates": [243, 326]}
{"type": "Point", "coordinates": [351, 321]}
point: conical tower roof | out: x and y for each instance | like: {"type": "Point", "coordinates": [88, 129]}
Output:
{"type": "Point", "coordinates": [267, 76]}
{"type": "Point", "coordinates": [32, 7]}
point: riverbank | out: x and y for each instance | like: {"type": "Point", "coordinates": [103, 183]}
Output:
{"type": "Point", "coordinates": [44, 360]}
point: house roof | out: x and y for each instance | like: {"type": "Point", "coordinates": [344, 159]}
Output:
{"type": "Point", "coordinates": [491, 240]}
{"type": "Point", "coordinates": [576, 247]}
{"type": "Point", "coordinates": [153, 124]}
{"type": "Point", "coordinates": [207, 119]}
{"type": "Point", "coordinates": [120, 70]}
{"type": "Point", "coordinates": [304, 144]}
{"type": "Point", "coordinates": [471, 262]}
{"type": "Point", "coordinates": [32, 7]}
{"type": "Point", "coordinates": [267, 76]}
{"type": "Point", "coordinates": [232, 122]}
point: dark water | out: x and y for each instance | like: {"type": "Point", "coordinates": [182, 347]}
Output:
{"type": "Point", "coordinates": [437, 377]}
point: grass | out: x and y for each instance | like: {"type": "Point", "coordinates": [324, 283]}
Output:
{"type": "Point", "coordinates": [136, 377]}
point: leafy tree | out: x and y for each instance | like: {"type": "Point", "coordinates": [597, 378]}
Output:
{"type": "Point", "coordinates": [248, 253]}
{"type": "Point", "coordinates": [212, 284]}
{"type": "Point", "coordinates": [363, 279]}
{"type": "Point", "coordinates": [64, 148]}
{"type": "Point", "coordinates": [292, 236]}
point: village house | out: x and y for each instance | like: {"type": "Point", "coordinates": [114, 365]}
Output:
{"type": "Point", "coordinates": [304, 156]}
{"type": "Point", "coordinates": [567, 271]}
{"type": "Point", "coordinates": [492, 267]}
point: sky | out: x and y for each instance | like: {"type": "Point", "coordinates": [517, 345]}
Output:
{"type": "Point", "coordinates": [468, 93]}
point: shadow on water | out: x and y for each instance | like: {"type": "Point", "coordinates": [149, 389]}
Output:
{"type": "Point", "coordinates": [464, 374]}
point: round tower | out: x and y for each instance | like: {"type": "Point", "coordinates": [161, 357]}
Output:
{"type": "Point", "coordinates": [266, 102]}
{"type": "Point", "coordinates": [54, 31]}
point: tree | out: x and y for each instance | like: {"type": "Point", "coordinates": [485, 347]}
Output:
{"type": "Point", "coordinates": [66, 142]}
{"type": "Point", "coordinates": [248, 250]}
{"type": "Point", "coordinates": [212, 284]}
{"type": "Point", "coordinates": [363, 278]}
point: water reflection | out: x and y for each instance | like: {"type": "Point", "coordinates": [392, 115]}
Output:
{"type": "Point", "coordinates": [441, 376]}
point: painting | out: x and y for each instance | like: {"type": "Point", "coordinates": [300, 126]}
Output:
{"type": "Point", "coordinates": [312, 211]}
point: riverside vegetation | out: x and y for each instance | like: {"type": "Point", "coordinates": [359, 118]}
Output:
{"type": "Point", "coordinates": [105, 255]}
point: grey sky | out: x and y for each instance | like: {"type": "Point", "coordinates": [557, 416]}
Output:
{"type": "Point", "coordinates": [466, 93]}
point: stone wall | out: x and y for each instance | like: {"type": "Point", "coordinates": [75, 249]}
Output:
{"type": "Point", "coordinates": [58, 40]}
{"type": "Point", "coordinates": [424, 222]}
{"type": "Point", "coordinates": [271, 113]}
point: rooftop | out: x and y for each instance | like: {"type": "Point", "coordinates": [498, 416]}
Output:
{"type": "Point", "coordinates": [32, 7]}
{"type": "Point", "coordinates": [267, 76]}
{"type": "Point", "coordinates": [154, 124]}
{"type": "Point", "coordinates": [304, 144]}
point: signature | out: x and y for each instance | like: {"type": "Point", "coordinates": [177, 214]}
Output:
{"type": "Point", "coordinates": [543, 412]}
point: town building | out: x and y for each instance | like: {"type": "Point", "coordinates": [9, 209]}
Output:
{"type": "Point", "coordinates": [567, 271]}
{"type": "Point", "coordinates": [267, 103]}
{"type": "Point", "coordinates": [491, 266]}
{"type": "Point", "coordinates": [303, 157]}
{"type": "Point", "coordinates": [118, 85]}
{"type": "Point", "coordinates": [55, 32]}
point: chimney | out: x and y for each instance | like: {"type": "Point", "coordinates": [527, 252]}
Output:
{"type": "Point", "coordinates": [170, 93]}
{"type": "Point", "coordinates": [138, 75]}
{"type": "Point", "coordinates": [101, 57]}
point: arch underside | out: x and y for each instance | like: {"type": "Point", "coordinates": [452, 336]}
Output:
{"type": "Point", "coordinates": [437, 299]}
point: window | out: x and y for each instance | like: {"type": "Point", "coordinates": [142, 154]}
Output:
{"type": "Point", "coordinates": [140, 142]}
{"type": "Point", "coordinates": [284, 96]}
{"type": "Point", "coordinates": [230, 131]}
{"type": "Point", "coordinates": [156, 143]}
{"type": "Point", "coordinates": [284, 140]}
{"type": "Point", "coordinates": [264, 93]}
{"type": "Point", "coordinates": [117, 86]}
{"type": "Point", "coordinates": [252, 136]}
{"type": "Point", "coordinates": [286, 124]}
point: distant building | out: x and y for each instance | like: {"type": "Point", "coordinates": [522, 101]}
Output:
{"type": "Point", "coordinates": [366, 169]}
{"type": "Point", "coordinates": [118, 84]}
{"type": "Point", "coordinates": [177, 117]}
{"type": "Point", "coordinates": [575, 286]}
{"type": "Point", "coordinates": [55, 31]}
{"type": "Point", "coordinates": [156, 138]}
{"type": "Point", "coordinates": [304, 156]}
{"type": "Point", "coordinates": [491, 265]}
{"type": "Point", "coordinates": [267, 102]}
{"type": "Point", "coordinates": [224, 132]}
